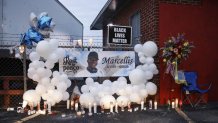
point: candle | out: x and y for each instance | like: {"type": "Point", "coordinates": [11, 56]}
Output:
{"type": "Point", "coordinates": [155, 105]}
{"type": "Point", "coordinates": [111, 107]}
{"type": "Point", "coordinates": [142, 105]}
{"type": "Point", "coordinates": [95, 108]}
{"type": "Point", "coordinates": [49, 108]}
{"type": "Point", "coordinates": [168, 104]}
{"type": "Point", "coordinates": [176, 102]}
{"type": "Point", "coordinates": [180, 104]}
{"type": "Point", "coordinates": [173, 104]}
{"type": "Point", "coordinates": [76, 107]}
{"type": "Point", "coordinates": [90, 109]}
{"type": "Point", "coordinates": [122, 106]}
{"type": "Point", "coordinates": [150, 104]}
{"type": "Point", "coordinates": [68, 104]}
{"type": "Point", "coordinates": [116, 108]}
{"type": "Point", "coordinates": [79, 113]}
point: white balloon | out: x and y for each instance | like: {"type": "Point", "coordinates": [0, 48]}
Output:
{"type": "Point", "coordinates": [107, 101]}
{"type": "Point", "coordinates": [150, 49]}
{"type": "Point", "coordinates": [54, 43]}
{"type": "Point", "coordinates": [31, 70]}
{"type": "Point", "coordinates": [107, 82]}
{"type": "Point", "coordinates": [31, 96]}
{"type": "Point", "coordinates": [45, 81]}
{"type": "Point", "coordinates": [41, 72]}
{"type": "Point", "coordinates": [136, 76]}
{"type": "Point", "coordinates": [143, 93]}
{"type": "Point", "coordinates": [86, 98]}
{"type": "Point", "coordinates": [40, 89]}
{"type": "Point", "coordinates": [122, 101]}
{"type": "Point", "coordinates": [30, 75]}
{"type": "Point", "coordinates": [89, 81]}
{"type": "Point", "coordinates": [17, 55]}
{"type": "Point", "coordinates": [122, 79]}
{"type": "Point", "coordinates": [34, 56]}
{"type": "Point", "coordinates": [62, 86]}
{"type": "Point", "coordinates": [53, 57]}
{"type": "Point", "coordinates": [149, 60]}
{"type": "Point", "coordinates": [134, 97]}
{"type": "Point", "coordinates": [65, 96]}
{"type": "Point", "coordinates": [49, 64]}
{"type": "Point", "coordinates": [54, 81]}
{"type": "Point", "coordinates": [36, 77]}
{"type": "Point", "coordinates": [138, 48]}
{"type": "Point", "coordinates": [142, 59]}
{"type": "Point", "coordinates": [148, 75]}
{"type": "Point", "coordinates": [151, 88]}
{"type": "Point", "coordinates": [141, 54]}
{"type": "Point", "coordinates": [33, 20]}
{"type": "Point", "coordinates": [44, 49]}
{"type": "Point", "coordinates": [155, 72]}
{"type": "Point", "coordinates": [85, 89]}
{"type": "Point", "coordinates": [68, 82]}
{"type": "Point", "coordinates": [60, 52]}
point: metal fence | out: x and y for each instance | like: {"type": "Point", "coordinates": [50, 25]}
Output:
{"type": "Point", "coordinates": [12, 69]}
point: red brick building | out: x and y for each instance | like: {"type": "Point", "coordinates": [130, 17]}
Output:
{"type": "Point", "coordinates": [159, 19]}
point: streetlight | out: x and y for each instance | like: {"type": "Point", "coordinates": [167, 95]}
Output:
{"type": "Point", "coordinates": [22, 49]}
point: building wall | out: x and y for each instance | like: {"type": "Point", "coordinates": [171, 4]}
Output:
{"type": "Point", "coordinates": [163, 18]}
{"type": "Point", "coordinates": [199, 21]}
{"type": "Point", "coordinates": [16, 17]}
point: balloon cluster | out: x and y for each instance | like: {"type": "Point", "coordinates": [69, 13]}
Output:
{"type": "Point", "coordinates": [51, 86]}
{"type": "Point", "coordinates": [138, 90]}
{"type": "Point", "coordinates": [40, 27]}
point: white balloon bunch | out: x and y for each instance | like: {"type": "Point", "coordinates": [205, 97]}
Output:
{"type": "Point", "coordinates": [51, 86]}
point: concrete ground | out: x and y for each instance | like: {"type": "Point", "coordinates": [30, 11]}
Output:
{"type": "Point", "coordinates": [203, 113]}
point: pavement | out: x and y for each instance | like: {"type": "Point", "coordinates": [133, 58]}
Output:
{"type": "Point", "coordinates": [203, 113]}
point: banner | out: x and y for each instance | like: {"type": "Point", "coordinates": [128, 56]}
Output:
{"type": "Point", "coordinates": [97, 64]}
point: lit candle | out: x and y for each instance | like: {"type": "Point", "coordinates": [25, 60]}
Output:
{"type": "Point", "coordinates": [142, 105]}
{"type": "Point", "coordinates": [79, 113]}
{"type": "Point", "coordinates": [180, 104]}
{"type": "Point", "coordinates": [76, 107]}
{"type": "Point", "coordinates": [38, 106]}
{"type": "Point", "coordinates": [155, 105]}
{"type": "Point", "coordinates": [95, 108]}
{"type": "Point", "coordinates": [173, 104]}
{"type": "Point", "coordinates": [116, 108]}
{"type": "Point", "coordinates": [111, 107]}
{"type": "Point", "coordinates": [176, 102]}
{"type": "Point", "coordinates": [90, 109]}
{"type": "Point", "coordinates": [68, 104]}
{"type": "Point", "coordinates": [150, 104]}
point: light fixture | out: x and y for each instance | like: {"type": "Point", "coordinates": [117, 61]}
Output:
{"type": "Point", "coordinates": [79, 42]}
{"type": "Point", "coordinates": [90, 42]}
{"type": "Point", "coordinates": [21, 48]}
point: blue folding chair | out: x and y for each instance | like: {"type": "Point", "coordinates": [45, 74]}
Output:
{"type": "Point", "coordinates": [193, 88]}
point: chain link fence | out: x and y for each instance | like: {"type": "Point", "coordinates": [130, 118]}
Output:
{"type": "Point", "coordinates": [12, 75]}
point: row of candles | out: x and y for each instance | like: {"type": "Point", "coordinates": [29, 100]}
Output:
{"type": "Point", "coordinates": [76, 107]}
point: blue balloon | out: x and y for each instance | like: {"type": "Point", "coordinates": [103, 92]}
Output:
{"type": "Point", "coordinates": [31, 36]}
{"type": "Point", "coordinates": [44, 22]}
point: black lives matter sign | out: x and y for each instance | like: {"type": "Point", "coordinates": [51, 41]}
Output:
{"type": "Point", "coordinates": [120, 35]}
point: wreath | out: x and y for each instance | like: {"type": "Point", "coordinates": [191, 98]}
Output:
{"type": "Point", "coordinates": [174, 51]}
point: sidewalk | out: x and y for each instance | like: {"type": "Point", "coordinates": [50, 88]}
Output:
{"type": "Point", "coordinates": [207, 114]}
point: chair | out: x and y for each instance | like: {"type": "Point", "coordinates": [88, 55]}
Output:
{"type": "Point", "coordinates": [193, 88]}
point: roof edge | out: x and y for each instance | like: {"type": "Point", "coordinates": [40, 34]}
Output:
{"type": "Point", "coordinates": [69, 12]}
{"type": "Point", "coordinates": [99, 15]}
